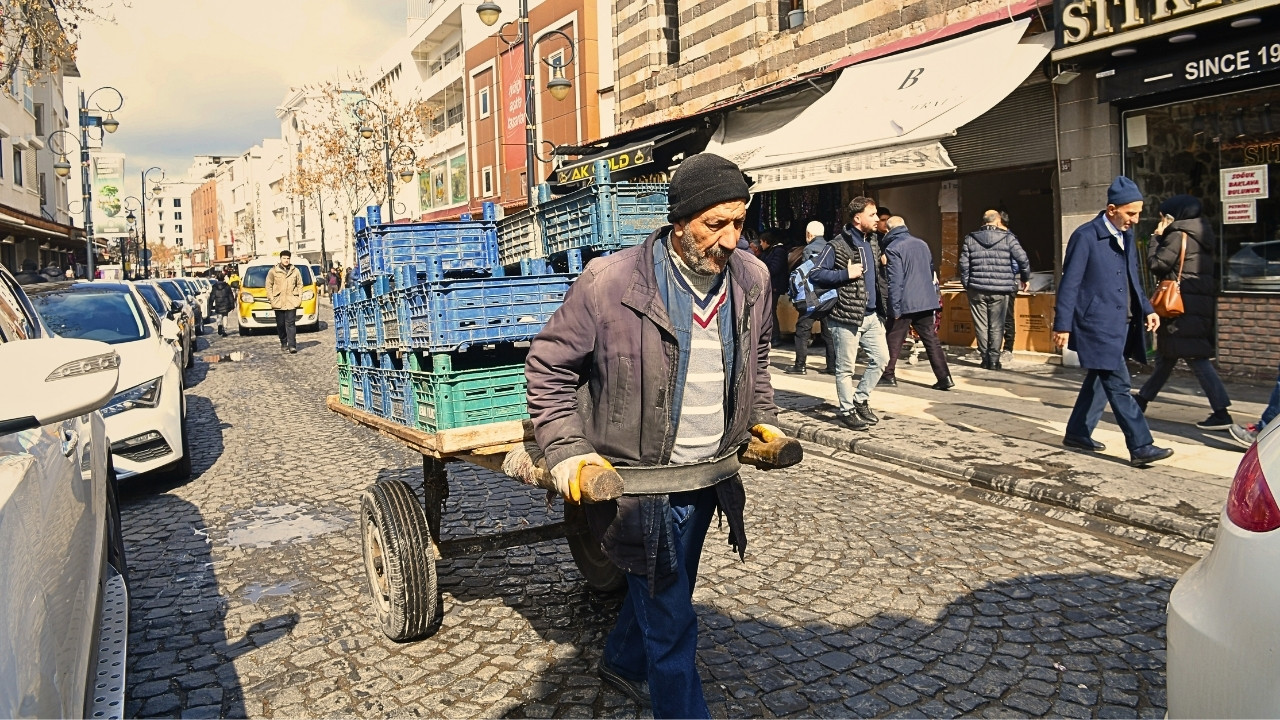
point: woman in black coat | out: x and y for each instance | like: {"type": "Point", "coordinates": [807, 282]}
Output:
{"type": "Point", "coordinates": [1190, 336]}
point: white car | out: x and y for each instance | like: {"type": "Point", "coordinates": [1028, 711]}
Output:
{"type": "Point", "coordinates": [146, 420]}
{"type": "Point", "coordinates": [198, 299]}
{"type": "Point", "coordinates": [1224, 614]}
{"type": "Point", "coordinates": [64, 607]}
{"type": "Point", "coordinates": [166, 308]}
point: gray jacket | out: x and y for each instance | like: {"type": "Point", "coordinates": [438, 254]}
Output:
{"type": "Point", "coordinates": [987, 259]}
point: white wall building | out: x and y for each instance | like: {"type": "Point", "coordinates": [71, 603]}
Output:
{"type": "Point", "coordinates": [313, 228]}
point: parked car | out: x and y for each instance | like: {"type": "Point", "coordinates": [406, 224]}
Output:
{"type": "Point", "coordinates": [176, 294]}
{"type": "Point", "coordinates": [147, 421]}
{"type": "Point", "coordinates": [255, 313]}
{"type": "Point", "coordinates": [199, 301]}
{"type": "Point", "coordinates": [64, 608]}
{"type": "Point", "coordinates": [1224, 621]}
{"type": "Point", "coordinates": [167, 308]}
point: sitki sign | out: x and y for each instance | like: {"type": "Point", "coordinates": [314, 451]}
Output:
{"type": "Point", "coordinates": [1082, 20]}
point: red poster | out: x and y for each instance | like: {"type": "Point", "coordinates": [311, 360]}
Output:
{"type": "Point", "coordinates": [513, 114]}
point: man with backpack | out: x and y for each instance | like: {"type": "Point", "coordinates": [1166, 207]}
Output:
{"type": "Point", "coordinates": [848, 264]}
{"type": "Point", "coordinates": [799, 285]}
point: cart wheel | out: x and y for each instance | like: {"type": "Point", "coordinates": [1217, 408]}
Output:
{"type": "Point", "coordinates": [596, 567]}
{"type": "Point", "coordinates": [399, 559]}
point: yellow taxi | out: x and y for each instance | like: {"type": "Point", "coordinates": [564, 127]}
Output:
{"type": "Point", "coordinates": [254, 311]}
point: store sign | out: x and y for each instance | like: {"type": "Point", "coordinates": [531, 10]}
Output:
{"type": "Point", "coordinates": [1244, 183]}
{"type": "Point", "coordinates": [620, 161]}
{"type": "Point", "coordinates": [1083, 20]}
{"type": "Point", "coordinates": [1197, 64]}
{"type": "Point", "coordinates": [1243, 212]}
{"type": "Point", "coordinates": [513, 113]}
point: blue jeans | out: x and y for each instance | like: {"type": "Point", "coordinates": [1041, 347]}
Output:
{"type": "Point", "coordinates": [1099, 387]}
{"type": "Point", "coordinates": [871, 338]}
{"type": "Point", "coordinates": [1273, 405]}
{"type": "Point", "coordinates": [656, 637]}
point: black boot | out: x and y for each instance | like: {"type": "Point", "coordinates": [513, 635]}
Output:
{"type": "Point", "coordinates": [986, 362]}
{"type": "Point", "coordinates": [945, 384]}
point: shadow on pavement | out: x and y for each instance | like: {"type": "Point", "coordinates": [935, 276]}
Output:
{"type": "Point", "coordinates": [1061, 645]}
{"type": "Point", "coordinates": [180, 655]}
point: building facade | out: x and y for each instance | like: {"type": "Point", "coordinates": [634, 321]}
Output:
{"type": "Point", "coordinates": [1181, 98]}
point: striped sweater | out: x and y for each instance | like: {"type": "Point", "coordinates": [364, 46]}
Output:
{"type": "Point", "coordinates": [701, 424]}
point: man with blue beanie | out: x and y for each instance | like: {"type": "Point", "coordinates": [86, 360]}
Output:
{"type": "Point", "coordinates": [1101, 312]}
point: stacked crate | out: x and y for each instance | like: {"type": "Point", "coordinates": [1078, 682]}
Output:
{"type": "Point", "coordinates": [435, 336]}
{"type": "Point", "coordinates": [595, 220]}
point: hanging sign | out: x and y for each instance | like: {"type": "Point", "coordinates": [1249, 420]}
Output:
{"type": "Point", "coordinates": [513, 110]}
{"type": "Point", "coordinates": [1243, 183]}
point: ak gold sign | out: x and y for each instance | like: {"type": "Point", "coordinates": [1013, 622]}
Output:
{"type": "Point", "coordinates": [1083, 20]}
{"type": "Point", "coordinates": [619, 162]}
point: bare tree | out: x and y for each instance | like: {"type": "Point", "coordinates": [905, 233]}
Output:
{"type": "Point", "coordinates": [38, 36]}
{"type": "Point", "coordinates": [335, 162]}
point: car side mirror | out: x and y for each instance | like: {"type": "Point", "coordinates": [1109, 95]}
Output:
{"type": "Point", "coordinates": [175, 307]}
{"type": "Point", "coordinates": [169, 330]}
{"type": "Point", "coordinates": [53, 379]}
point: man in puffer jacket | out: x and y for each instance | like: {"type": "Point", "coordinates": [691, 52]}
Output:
{"type": "Point", "coordinates": [987, 261]}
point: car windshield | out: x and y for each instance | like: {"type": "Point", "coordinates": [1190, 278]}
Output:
{"type": "Point", "coordinates": [172, 290]}
{"type": "Point", "coordinates": [159, 304]}
{"type": "Point", "coordinates": [256, 276]}
{"type": "Point", "coordinates": [111, 316]}
{"type": "Point", "coordinates": [187, 287]}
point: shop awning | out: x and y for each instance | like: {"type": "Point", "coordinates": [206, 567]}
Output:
{"type": "Point", "coordinates": [638, 158]}
{"type": "Point", "coordinates": [883, 117]}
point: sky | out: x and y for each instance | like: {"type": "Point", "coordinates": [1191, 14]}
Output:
{"type": "Point", "coordinates": [203, 77]}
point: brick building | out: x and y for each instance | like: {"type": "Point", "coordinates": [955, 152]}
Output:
{"type": "Point", "coordinates": [204, 202]}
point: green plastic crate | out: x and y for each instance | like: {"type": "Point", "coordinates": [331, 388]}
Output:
{"type": "Point", "coordinates": [346, 359]}
{"type": "Point", "coordinates": [463, 398]}
{"type": "Point", "coordinates": [344, 385]}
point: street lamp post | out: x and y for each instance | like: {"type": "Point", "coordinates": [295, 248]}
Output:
{"type": "Point", "coordinates": [366, 132]}
{"type": "Point", "coordinates": [132, 241]}
{"type": "Point", "coordinates": [558, 85]}
{"type": "Point", "coordinates": [63, 168]}
{"type": "Point", "coordinates": [146, 252]}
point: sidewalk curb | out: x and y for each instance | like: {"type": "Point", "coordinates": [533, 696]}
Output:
{"type": "Point", "coordinates": [807, 428]}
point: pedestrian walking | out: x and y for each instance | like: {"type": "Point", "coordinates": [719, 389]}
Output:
{"type": "Point", "coordinates": [988, 258]}
{"type": "Point", "coordinates": [1247, 435]}
{"type": "Point", "coordinates": [651, 334]}
{"type": "Point", "coordinates": [815, 241]}
{"type": "Point", "coordinates": [774, 256]}
{"type": "Point", "coordinates": [1181, 249]}
{"type": "Point", "coordinates": [222, 302]}
{"type": "Point", "coordinates": [848, 265]}
{"type": "Point", "coordinates": [284, 292]}
{"type": "Point", "coordinates": [913, 300]}
{"type": "Point", "coordinates": [335, 278]}
{"type": "Point", "coordinates": [1100, 314]}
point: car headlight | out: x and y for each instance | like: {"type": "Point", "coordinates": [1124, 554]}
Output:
{"type": "Point", "coordinates": [246, 297]}
{"type": "Point", "coordinates": [308, 295]}
{"type": "Point", "coordinates": [146, 395]}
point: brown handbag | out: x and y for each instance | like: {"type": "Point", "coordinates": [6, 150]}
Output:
{"type": "Point", "coordinates": [1167, 302]}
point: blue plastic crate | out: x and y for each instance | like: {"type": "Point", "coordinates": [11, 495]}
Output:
{"type": "Point", "coordinates": [518, 237]}
{"type": "Point", "coordinates": [465, 248]}
{"type": "Point", "coordinates": [452, 316]}
{"type": "Point", "coordinates": [398, 401]}
{"type": "Point", "coordinates": [377, 382]}
{"type": "Point", "coordinates": [604, 216]}
{"type": "Point", "coordinates": [368, 322]}
{"type": "Point", "coordinates": [389, 312]}
{"type": "Point", "coordinates": [360, 387]}
{"type": "Point", "coordinates": [341, 327]}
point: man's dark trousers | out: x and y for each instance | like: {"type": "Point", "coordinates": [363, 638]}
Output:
{"type": "Point", "coordinates": [656, 637]}
{"type": "Point", "coordinates": [804, 331]}
{"type": "Point", "coordinates": [1099, 387]}
{"type": "Point", "coordinates": [923, 323]}
{"type": "Point", "coordinates": [286, 330]}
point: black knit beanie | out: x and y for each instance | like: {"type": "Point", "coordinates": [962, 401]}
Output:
{"type": "Point", "coordinates": [701, 181]}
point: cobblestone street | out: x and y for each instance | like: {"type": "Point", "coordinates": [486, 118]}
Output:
{"type": "Point", "coordinates": [861, 594]}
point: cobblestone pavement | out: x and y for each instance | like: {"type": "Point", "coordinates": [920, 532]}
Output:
{"type": "Point", "coordinates": [861, 594]}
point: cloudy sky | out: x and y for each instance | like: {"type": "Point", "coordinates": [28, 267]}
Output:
{"type": "Point", "coordinates": [204, 76]}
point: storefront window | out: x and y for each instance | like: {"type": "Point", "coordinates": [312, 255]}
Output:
{"type": "Point", "coordinates": [1191, 147]}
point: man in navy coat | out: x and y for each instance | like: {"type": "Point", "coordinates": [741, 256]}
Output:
{"type": "Point", "coordinates": [1100, 314]}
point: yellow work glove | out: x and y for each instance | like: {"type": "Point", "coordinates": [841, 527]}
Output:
{"type": "Point", "coordinates": [767, 433]}
{"type": "Point", "coordinates": [567, 472]}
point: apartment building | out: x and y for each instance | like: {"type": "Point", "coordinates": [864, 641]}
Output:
{"type": "Point", "coordinates": [320, 222]}
{"type": "Point", "coordinates": [35, 219]}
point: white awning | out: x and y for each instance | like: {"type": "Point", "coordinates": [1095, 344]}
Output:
{"type": "Point", "coordinates": [882, 117]}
